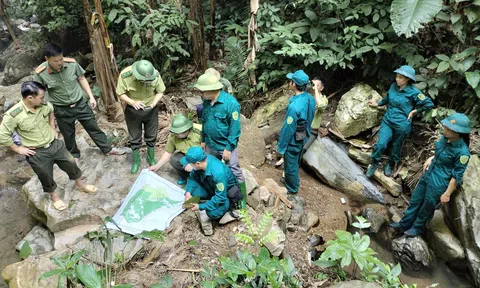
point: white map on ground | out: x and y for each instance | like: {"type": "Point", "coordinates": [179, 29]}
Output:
{"type": "Point", "coordinates": [151, 204]}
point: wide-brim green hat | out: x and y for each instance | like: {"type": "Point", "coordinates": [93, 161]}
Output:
{"type": "Point", "coordinates": [143, 70]}
{"type": "Point", "coordinates": [208, 82]}
{"type": "Point", "coordinates": [406, 71]}
{"type": "Point", "coordinates": [457, 122]}
{"type": "Point", "coordinates": [180, 124]}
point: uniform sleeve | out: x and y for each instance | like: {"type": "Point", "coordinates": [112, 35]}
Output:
{"type": "Point", "coordinates": [79, 70]}
{"type": "Point", "coordinates": [461, 163]}
{"type": "Point", "coordinates": [422, 103]}
{"type": "Point", "coordinates": [7, 127]}
{"type": "Point", "coordinates": [234, 129]}
{"type": "Point", "coordinates": [160, 86]}
{"type": "Point", "coordinates": [37, 78]}
{"type": "Point", "coordinates": [384, 101]}
{"type": "Point", "coordinates": [121, 86]}
{"type": "Point", "coordinates": [202, 133]}
{"type": "Point", "coordinates": [170, 147]}
{"type": "Point", "coordinates": [220, 194]}
{"type": "Point", "coordinates": [49, 107]}
{"type": "Point", "coordinates": [288, 130]}
{"type": "Point", "coordinates": [322, 105]}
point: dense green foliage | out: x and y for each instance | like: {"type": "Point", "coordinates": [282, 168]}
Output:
{"type": "Point", "coordinates": [356, 40]}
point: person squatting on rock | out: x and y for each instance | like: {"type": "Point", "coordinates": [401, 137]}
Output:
{"type": "Point", "coordinates": [443, 172]}
{"type": "Point", "coordinates": [213, 181]}
{"type": "Point", "coordinates": [34, 122]}
{"type": "Point", "coordinates": [141, 87]}
{"type": "Point", "coordinates": [296, 128]}
{"type": "Point", "coordinates": [66, 86]}
{"type": "Point", "coordinates": [321, 104]}
{"type": "Point", "coordinates": [403, 101]}
{"type": "Point", "coordinates": [221, 126]}
{"type": "Point", "coordinates": [184, 134]}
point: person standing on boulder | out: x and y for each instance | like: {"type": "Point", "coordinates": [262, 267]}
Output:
{"type": "Point", "coordinates": [34, 122]}
{"type": "Point", "coordinates": [66, 86]}
{"type": "Point", "coordinates": [221, 126]}
{"type": "Point", "coordinates": [141, 87]}
{"type": "Point", "coordinates": [184, 135]}
{"type": "Point", "coordinates": [296, 128]}
{"type": "Point", "coordinates": [403, 101]}
{"type": "Point", "coordinates": [213, 181]}
{"type": "Point", "coordinates": [443, 172]}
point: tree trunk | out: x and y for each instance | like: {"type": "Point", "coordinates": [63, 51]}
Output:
{"type": "Point", "coordinates": [201, 26]}
{"type": "Point", "coordinates": [193, 17]}
{"type": "Point", "coordinates": [6, 20]}
{"type": "Point", "coordinates": [211, 41]}
{"type": "Point", "coordinates": [106, 69]}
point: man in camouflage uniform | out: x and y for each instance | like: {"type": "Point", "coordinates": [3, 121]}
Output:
{"type": "Point", "coordinates": [141, 87]}
{"type": "Point", "coordinates": [66, 86]}
{"type": "Point", "coordinates": [35, 124]}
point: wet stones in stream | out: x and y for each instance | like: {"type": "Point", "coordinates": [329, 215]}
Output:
{"type": "Point", "coordinates": [413, 253]}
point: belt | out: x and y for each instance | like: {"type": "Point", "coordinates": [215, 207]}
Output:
{"type": "Point", "coordinates": [41, 147]}
{"type": "Point", "coordinates": [70, 105]}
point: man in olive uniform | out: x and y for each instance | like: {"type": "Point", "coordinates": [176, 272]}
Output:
{"type": "Point", "coordinates": [66, 85]}
{"type": "Point", "coordinates": [184, 134]}
{"type": "Point", "coordinates": [221, 125]}
{"type": "Point", "coordinates": [35, 124]}
{"type": "Point", "coordinates": [141, 87]}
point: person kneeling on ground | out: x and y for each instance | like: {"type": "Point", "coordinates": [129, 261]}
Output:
{"type": "Point", "coordinates": [213, 181]}
{"type": "Point", "coordinates": [33, 120]}
{"type": "Point", "coordinates": [184, 135]}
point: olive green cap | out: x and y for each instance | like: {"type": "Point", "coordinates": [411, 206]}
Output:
{"type": "Point", "coordinates": [143, 70]}
{"type": "Point", "coordinates": [180, 124]}
{"type": "Point", "coordinates": [208, 82]}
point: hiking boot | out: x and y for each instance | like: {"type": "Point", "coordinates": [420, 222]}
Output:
{"type": "Point", "coordinates": [181, 181]}
{"type": "Point", "coordinates": [116, 151]}
{"type": "Point", "coordinates": [412, 232]}
{"type": "Point", "coordinates": [205, 222]}
{"type": "Point", "coordinates": [136, 161]}
{"type": "Point", "coordinates": [371, 169]}
{"type": "Point", "coordinates": [387, 170]}
{"type": "Point", "coordinates": [396, 226]}
{"type": "Point", "coordinates": [151, 156]}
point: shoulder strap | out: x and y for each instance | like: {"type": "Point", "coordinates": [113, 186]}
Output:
{"type": "Point", "coordinates": [69, 60]}
{"type": "Point", "coordinates": [40, 69]}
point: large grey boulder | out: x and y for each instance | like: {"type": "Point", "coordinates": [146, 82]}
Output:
{"type": "Point", "coordinates": [19, 66]}
{"type": "Point", "coordinates": [251, 145]}
{"type": "Point", "coordinates": [111, 175]}
{"type": "Point", "coordinates": [276, 246]}
{"type": "Point", "coordinates": [332, 164]}
{"type": "Point", "coordinates": [464, 215]}
{"type": "Point", "coordinates": [270, 117]}
{"type": "Point", "coordinates": [413, 253]}
{"type": "Point", "coordinates": [250, 181]}
{"type": "Point", "coordinates": [39, 239]}
{"type": "Point", "coordinates": [374, 218]}
{"type": "Point", "coordinates": [353, 114]}
{"type": "Point", "coordinates": [446, 245]}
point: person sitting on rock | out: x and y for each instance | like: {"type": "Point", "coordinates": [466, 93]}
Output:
{"type": "Point", "coordinates": [33, 120]}
{"type": "Point", "coordinates": [403, 101]}
{"type": "Point", "coordinates": [296, 128]}
{"type": "Point", "coordinates": [443, 172]}
{"type": "Point", "coordinates": [213, 181]}
{"type": "Point", "coordinates": [184, 134]}
{"type": "Point", "coordinates": [221, 125]}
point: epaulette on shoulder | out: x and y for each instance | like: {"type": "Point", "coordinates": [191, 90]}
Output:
{"type": "Point", "coordinates": [69, 60]}
{"type": "Point", "coordinates": [16, 111]}
{"type": "Point", "coordinates": [127, 74]}
{"type": "Point", "coordinates": [40, 69]}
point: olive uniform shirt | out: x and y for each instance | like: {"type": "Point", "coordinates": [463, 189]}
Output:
{"type": "Point", "coordinates": [138, 90]}
{"type": "Point", "coordinates": [194, 138]}
{"type": "Point", "coordinates": [33, 127]}
{"type": "Point", "coordinates": [320, 108]}
{"type": "Point", "coordinates": [63, 87]}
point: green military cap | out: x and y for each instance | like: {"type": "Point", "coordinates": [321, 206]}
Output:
{"type": "Point", "coordinates": [457, 122]}
{"type": "Point", "coordinates": [180, 124]}
{"type": "Point", "coordinates": [143, 70]}
{"type": "Point", "coordinates": [208, 82]}
{"type": "Point", "coordinates": [194, 154]}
